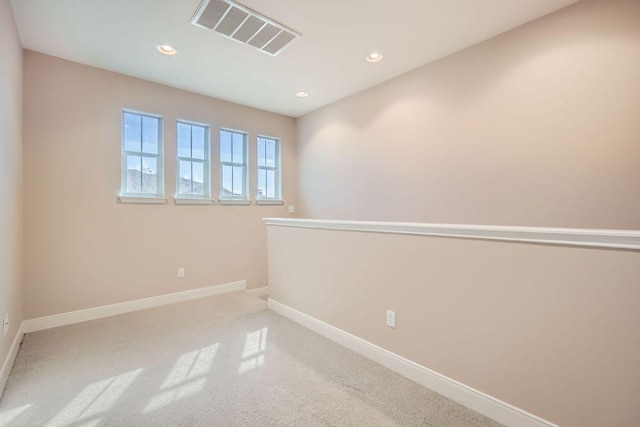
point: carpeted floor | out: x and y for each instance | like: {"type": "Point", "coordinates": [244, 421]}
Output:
{"type": "Point", "coordinates": [218, 361]}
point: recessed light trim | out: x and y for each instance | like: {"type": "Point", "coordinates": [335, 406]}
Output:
{"type": "Point", "coordinates": [302, 94]}
{"type": "Point", "coordinates": [166, 49]}
{"type": "Point", "coordinates": [374, 57]}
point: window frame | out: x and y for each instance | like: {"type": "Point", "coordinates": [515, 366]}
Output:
{"type": "Point", "coordinates": [159, 157]}
{"type": "Point", "coordinates": [277, 168]}
{"type": "Point", "coordinates": [245, 166]}
{"type": "Point", "coordinates": [206, 163]}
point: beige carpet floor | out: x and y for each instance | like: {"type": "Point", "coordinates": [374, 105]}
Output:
{"type": "Point", "coordinates": [218, 361]}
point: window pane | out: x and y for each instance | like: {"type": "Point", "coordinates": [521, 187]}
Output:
{"type": "Point", "coordinates": [142, 171]}
{"type": "Point", "coordinates": [261, 155]}
{"type": "Point", "coordinates": [225, 146]}
{"type": "Point", "coordinates": [134, 178]}
{"type": "Point", "coordinates": [262, 183]}
{"type": "Point", "coordinates": [198, 142]}
{"type": "Point", "coordinates": [184, 186]}
{"type": "Point", "coordinates": [132, 132]}
{"type": "Point", "coordinates": [271, 184]}
{"type": "Point", "coordinates": [238, 148]}
{"type": "Point", "coordinates": [184, 140]}
{"type": "Point", "coordinates": [271, 152]}
{"type": "Point", "coordinates": [227, 185]}
{"type": "Point", "coordinates": [238, 181]}
{"type": "Point", "coordinates": [198, 178]}
{"type": "Point", "coordinates": [150, 137]}
{"type": "Point", "coordinates": [149, 175]}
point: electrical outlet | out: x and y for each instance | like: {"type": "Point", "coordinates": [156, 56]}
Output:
{"type": "Point", "coordinates": [181, 273]}
{"type": "Point", "coordinates": [292, 209]}
{"type": "Point", "coordinates": [391, 319]}
{"type": "Point", "coordinates": [6, 324]}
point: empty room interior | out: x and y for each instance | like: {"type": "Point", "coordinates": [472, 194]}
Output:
{"type": "Point", "coordinates": [320, 213]}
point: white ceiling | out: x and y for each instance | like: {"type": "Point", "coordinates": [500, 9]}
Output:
{"type": "Point", "coordinates": [328, 61]}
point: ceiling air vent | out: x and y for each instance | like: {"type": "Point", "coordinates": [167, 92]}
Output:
{"type": "Point", "coordinates": [243, 25]}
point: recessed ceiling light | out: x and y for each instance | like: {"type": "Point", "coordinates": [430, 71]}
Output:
{"type": "Point", "coordinates": [165, 49]}
{"type": "Point", "coordinates": [302, 94]}
{"type": "Point", "coordinates": [374, 57]}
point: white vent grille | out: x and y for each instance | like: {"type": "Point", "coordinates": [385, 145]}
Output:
{"type": "Point", "coordinates": [243, 25]}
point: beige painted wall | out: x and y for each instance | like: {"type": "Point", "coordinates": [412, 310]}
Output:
{"type": "Point", "coordinates": [538, 126]}
{"type": "Point", "coordinates": [83, 248]}
{"type": "Point", "coordinates": [10, 176]}
{"type": "Point", "coordinates": [550, 329]}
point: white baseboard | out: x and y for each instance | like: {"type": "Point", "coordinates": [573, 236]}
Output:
{"type": "Point", "coordinates": [11, 357]}
{"type": "Point", "coordinates": [48, 322]}
{"type": "Point", "coordinates": [259, 292]}
{"type": "Point", "coordinates": [476, 400]}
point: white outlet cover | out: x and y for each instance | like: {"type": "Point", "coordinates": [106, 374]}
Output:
{"type": "Point", "coordinates": [391, 318]}
{"type": "Point", "coordinates": [180, 273]}
{"type": "Point", "coordinates": [292, 209]}
{"type": "Point", "coordinates": [6, 324]}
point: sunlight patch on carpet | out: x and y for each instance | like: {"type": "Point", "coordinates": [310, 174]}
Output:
{"type": "Point", "coordinates": [186, 378]}
{"type": "Point", "coordinates": [8, 416]}
{"type": "Point", "coordinates": [174, 395]}
{"type": "Point", "coordinates": [94, 399]}
{"type": "Point", "coordinates": [255, 344]}
{"type": "Point", "coordinates": [191, 365]}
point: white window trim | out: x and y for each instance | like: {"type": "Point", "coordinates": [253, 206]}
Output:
{"type": "Point", "coordinates": [269, 202]}
{"type": "Point", "coordinates": [144, 200]}
{"type": "Point", "coordinates": [245, 169]}
{"type": "Point", "coordinates": [142, 197]}
{"type": "Point", "coordinates": [234, 201]}
{"type": "Point", "coordinates": [184, 199]}
{"type": "Point", "coordinates": [277, 198]}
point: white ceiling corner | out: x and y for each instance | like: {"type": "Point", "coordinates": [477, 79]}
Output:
{"type": "Point", "coordinates": [328, 61]}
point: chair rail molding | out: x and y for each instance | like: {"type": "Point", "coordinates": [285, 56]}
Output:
{"type": "Point", "coordinates": [598, 238]}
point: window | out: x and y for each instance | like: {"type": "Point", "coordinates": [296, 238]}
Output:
{"type": "Point", "coordinates": [233, 165]}
{"type": "Point", "coordinates": [193, 160]}
{"type": "Point", "coordinates": [141, 155]}
{"type": "Point", "coordinates": [268, 168]}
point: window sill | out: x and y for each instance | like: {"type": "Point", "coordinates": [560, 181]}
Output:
{"type": "Point", "coordinates": [143, 200]}
{"type": "Point", "coordinates": [235, 202]}
{"type": "Point", "coordinates": [269, 202]}
{"type": "Point", "coordinates": [185, 201]}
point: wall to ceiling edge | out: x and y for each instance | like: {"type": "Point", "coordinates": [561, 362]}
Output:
{"type": "Point", "coordinates": [84, 248]}
{"type": "Point", "coordinates": [535, 127]}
